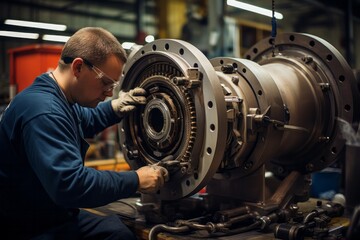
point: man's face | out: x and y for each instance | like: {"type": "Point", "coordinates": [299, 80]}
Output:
{"type": "Point", "coordinates": [96, 83]}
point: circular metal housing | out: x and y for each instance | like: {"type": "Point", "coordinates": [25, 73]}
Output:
{"type": "Point", "coordinates": [184, 116]}
{"type": "Point", "coordinates": [318, 87]}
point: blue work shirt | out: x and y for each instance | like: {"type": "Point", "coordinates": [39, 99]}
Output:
{"type": "Point", "coordinates": [43, 180]}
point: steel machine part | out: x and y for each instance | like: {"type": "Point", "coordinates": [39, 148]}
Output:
{"type": "Point", "coordinates": [225, 121]}
{"type": "Point", "coordinates": [185, 115]}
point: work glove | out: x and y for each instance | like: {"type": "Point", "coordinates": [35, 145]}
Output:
{"type": "Point", "coordinates": [127, 101]}
{"type": "Point", "coordinates": [151, 178]}
{"type": "Point", "coordinates": [163, 170]}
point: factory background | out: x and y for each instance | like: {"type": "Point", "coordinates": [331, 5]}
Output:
{"type": "Point", "coordinates": [213, 26]}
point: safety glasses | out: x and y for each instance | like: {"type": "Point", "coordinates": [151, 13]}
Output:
{"type": "Point", "coordinates": [108, 82]}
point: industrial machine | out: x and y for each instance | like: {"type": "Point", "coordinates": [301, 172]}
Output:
{"type": "Point", "coordinates": [249, 131]}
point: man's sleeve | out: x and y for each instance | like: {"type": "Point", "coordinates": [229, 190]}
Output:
{"type": "Point", "coordinates": [52, 148]}
{"type": "Point", "coordinates": [95, 120]}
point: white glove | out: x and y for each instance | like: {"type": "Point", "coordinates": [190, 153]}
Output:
{"type": "Point", "coordinates": [151, 178]}
{"type": "Point", "coordinates": [127, 101]}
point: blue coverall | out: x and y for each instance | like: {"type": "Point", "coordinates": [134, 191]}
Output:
{"type": "Point", "coordinates": [43, 181]}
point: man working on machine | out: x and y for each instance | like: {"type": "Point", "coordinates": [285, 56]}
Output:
{"type": "Point", "coordinates": [43, 181]}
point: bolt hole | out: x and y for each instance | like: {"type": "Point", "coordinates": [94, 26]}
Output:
{"type": "Point", "coordinates": [244, 70]}
{"type": "Point", "coordinates": [329, 57]}
{"type": "Point", "coordinates": [167, 46]}
{"type": "Point", "coordinates": [333, 150]}
{"type": "Point", "coordinates": [142, 52]}
{"type": "Point", "coordinates": [271, 41]}
{"type": "Point", "coordinates": [255, 50]}
{"type": "Point", "coordinates": [347, 107]}
{"type": "Point", "coordinates": [341, 78]}
{"type": "Point", "coordinates": [248, 57]}
{"type": "Point", "coordinates": [154, 47]}
{"type": "Point", "coordinates": [196, 65]}
{"type": "Point", "coordinates": [209, 150]}
{"type": "Point", "coordinates": [181, 51]}
{"type": "Point", "coordinates": [260, 92]}
{"type": "Point", "coordinates": [292, 37]}
{"type": "Point", "coordinates": [196, 176]}
{"type": "Point", "coordinates": [235, 65]}
{"type": "Point", "coordinates": [221, 62]}
{"type": "Point", "coordinates": [212, 127]}
{"type": "Point", "coordinates": [210, 104]}
{"type": "Point", "coordinates": [187, 183]}
{"type": "Point", "coordinates": [312, 43]}
{"type": "Point", "coordinates": [156, 120]}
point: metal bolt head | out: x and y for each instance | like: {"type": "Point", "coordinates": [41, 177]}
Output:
{"type": "Point", "coordinates": [309, 167]}
{"type": "Point", "coordinates": [235, 80]}
{"type": "Point", "coordinates": [307, 59]}
{"type": "Point", "coordinates": [227, 68]}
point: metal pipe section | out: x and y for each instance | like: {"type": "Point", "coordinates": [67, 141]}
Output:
{"type": "Point", "coordinates": [317, 86]}
{"type": "Point", "coordinates": [226, 118]}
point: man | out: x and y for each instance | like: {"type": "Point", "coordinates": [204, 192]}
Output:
{"type": "Point", "coordinates": [43, 182]}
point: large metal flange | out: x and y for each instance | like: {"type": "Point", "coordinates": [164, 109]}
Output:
{"type": "Point", "coordinates": [180, 79]}
{"type": "Point", "coordinates": [326, 67]}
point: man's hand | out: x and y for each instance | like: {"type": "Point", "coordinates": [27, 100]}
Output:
{"type": "Point", "coordinates": [151, 178]}
{"type": "Point", "coordinates": [127, 101]}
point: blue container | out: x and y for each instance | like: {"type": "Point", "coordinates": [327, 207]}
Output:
{"type": "Point", "coordinates": [326, 184]}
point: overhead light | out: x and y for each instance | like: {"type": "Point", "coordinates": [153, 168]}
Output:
{"type": "Point", "coordinates": [55, 38]}
{"type": "Point", "coordinates": [149, 38]}
{"type": "Point", "coordinates": [42, 25]}
{"type": "Point", "coordinates": [253, 8]}
{"type": "Point", "coordinates": [127, 45]}
{"type": "Point", "coordinates": [19, 34]}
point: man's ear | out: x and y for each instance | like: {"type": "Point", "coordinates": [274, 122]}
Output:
{"type": "Point", "coordinates": [76, 66]}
